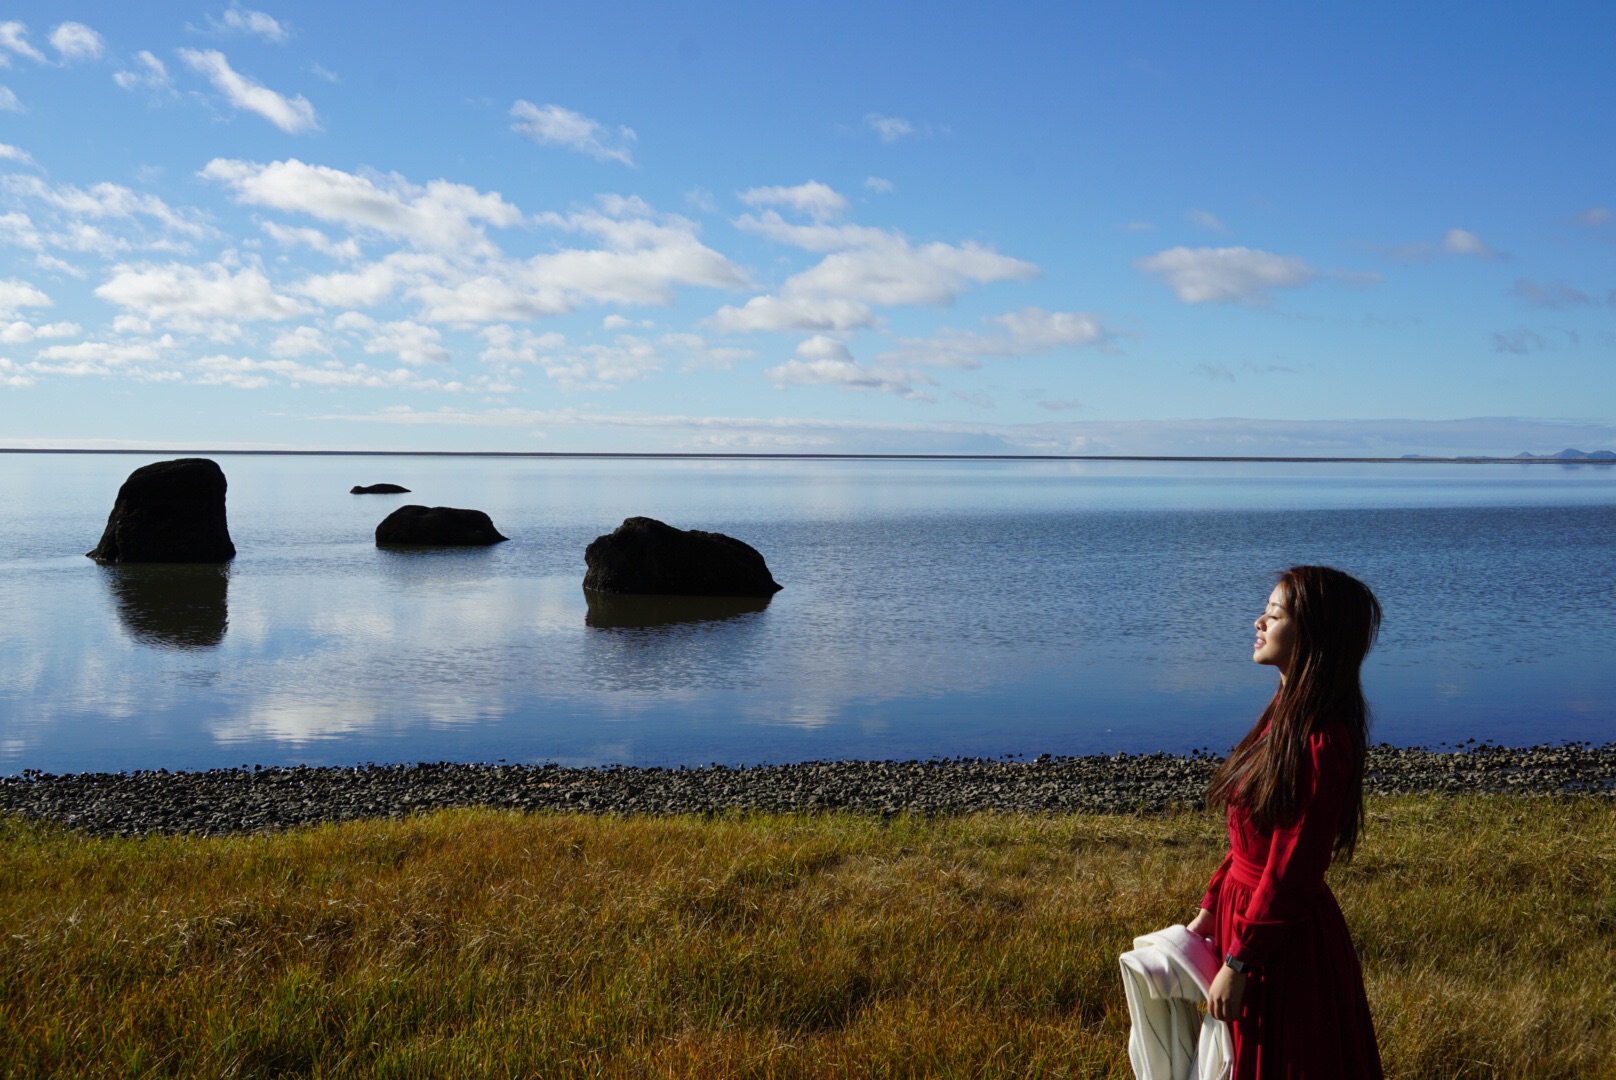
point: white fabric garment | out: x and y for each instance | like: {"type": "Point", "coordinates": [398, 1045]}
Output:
{"type": "Point", "coordinates": [1164, 976]}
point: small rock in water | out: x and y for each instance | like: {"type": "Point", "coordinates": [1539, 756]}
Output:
{"type": "Point", "coordinates": [437, 526]}
{"type": "Point", "coordinates": [168, 512]}
{"type": "Point", "coordinates": [378, 489]}
{"type": "Point", "coordinates": [645, 556]}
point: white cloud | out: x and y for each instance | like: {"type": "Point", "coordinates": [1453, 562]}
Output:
{"type": "Point", "coordinates": [1226, 275]}
{"type": "Point", "coordinates": [9, 101]}
{"type": "Point", "coordinates": [1465, 242]}
{"type": "Point", "coordinates": [878, 269]}
{"type": "Point", "coordinates": [573, 367]}
{"type": "Point", "coordinates": [1029, 332]}
{"type": "Point", "coordinates": [15, 295]}
{"type": "Point", "coordinates": [555, 126]}
{"type": "Point", "coordinates": [92, 358]}
{"type": "Point", "coordinates": [818, 201]}
{"type": "Point", "coordinates": [347, 250]}
{"type": "Point", "coordinates": [104, 201]}
{"type": "Point", "coordinates": [643, 260]}
{"type": "Point", "coordinates": [149, 74]}
{"type": "Point", "coordinates": [826, 361]}
{"type": "Point", "coordinates": [247, 373]}
{"type": "Point", "coordinates": [189, 297]}
{"type": "Point", "coordinates": [240, 20]}
{"type": "Point", "coordinates": [14, 38]}
{"type": "Point", "coordinates": [440, 216]}
{"type": "Point", "coordinates": [21, 333]}
{"type": "Point", "coordinates": [889, 128]}
{"type": "Point", "coordinates": [1595, 217]}
{"type": "Point", "coordinates": [75, 41]}
{"type": "Point", "coordinates": [411, 342]}
{"type": "Point", "coordinates": [878, 184]}
{"type": "Point", "coordinates": [291, 115]}
{"type": "Point", "coordinates": [1205, 219]}
{"type": "Point", "coordinates": [371, 284]}
{"type": "Point", "coordinates": [303, 341]}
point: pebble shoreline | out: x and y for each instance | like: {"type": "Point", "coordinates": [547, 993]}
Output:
{"type": "Point", "coordinates": [220, 801]}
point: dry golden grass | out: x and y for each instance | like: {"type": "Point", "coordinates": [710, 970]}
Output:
{"type": "Point", "coordinates": [476, 943]}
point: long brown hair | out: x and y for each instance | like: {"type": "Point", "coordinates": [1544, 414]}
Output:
{"type": "Point", "coordinates": [1336, 620]}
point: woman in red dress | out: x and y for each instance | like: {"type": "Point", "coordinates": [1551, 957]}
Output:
{"type": "Point", "coordinates": [1291, 988]}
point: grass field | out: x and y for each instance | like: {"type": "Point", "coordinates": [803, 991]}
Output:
{"type": "Point", "coordinates": [479, 943]}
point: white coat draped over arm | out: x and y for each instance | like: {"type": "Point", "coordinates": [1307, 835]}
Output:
{"type": "Point", "coordinates": [1165, 976]}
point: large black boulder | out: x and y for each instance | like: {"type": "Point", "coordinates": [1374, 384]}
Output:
{"type": "Point", "coordinates": [378, 489]}
{"type": "Point", "coordinates": [645, 556]}
{"type": "Point", "coordinates": [437, 526]}
{"type": "Point", "coordinates": [168, 512]}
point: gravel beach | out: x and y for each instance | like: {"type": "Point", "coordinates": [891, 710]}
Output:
{"type": "Point", "coordinates": [254, 799]}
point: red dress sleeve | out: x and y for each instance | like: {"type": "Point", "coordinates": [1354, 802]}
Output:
{"type": "Point", "coordinates": [1299, 852]}
{"type": "Point", "coordinates": [1209, 901]}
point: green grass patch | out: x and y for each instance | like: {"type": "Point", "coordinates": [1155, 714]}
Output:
{"type": "Point", "coordinates": [481, 943]}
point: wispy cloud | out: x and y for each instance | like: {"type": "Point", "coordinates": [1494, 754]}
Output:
{"type": "Point", "coordinates": [818, 201]}
{"type": "Point", "coordinates": [826, 361]}
{"type": "Point", "coordinates": [866, 269]}
{"type": "Point", "coordinates": [1032, 331]}
{"type": "Point", "coordinates": [240, 20]}
{"type": "Point", "coordinates": [12, 153]}
{"type": "Point", "coordinates": [1551, 295]}
{"type": "Point", "coordinates": [148, 73]}
{"type": "Point", "coordinates": [14, 39]}
{"type": "Point", "coordinates": [553, 125]}
{"type": "Point", "coordinates": [1456, 242]}
{"type": "Point", "coordinates": [889, 128]}
{"type": "Point", "coordinates": [75, 41]}
{"type": "Point", "coordinates": [1465, 242]}
{"type": "Point", "coordinates": [292, 115]}
{"type": "Point", "coordinates": [1226, 275]}
{"type": "Point", "coordinates": [1205, 219]}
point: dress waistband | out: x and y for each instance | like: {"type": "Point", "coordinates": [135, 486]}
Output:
{"type": "Point", "coordinates": [1248, 873]}
{"type": "Point", "coordinates": [1245, 872]}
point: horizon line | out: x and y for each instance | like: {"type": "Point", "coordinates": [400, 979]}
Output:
{"type": "Point", "coordinates": [1462, 459]}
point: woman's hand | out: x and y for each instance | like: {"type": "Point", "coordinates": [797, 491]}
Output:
{"type": "Point", "coordinates": [1201, 925]}
{"type": "Point", "coordinates": [1223, 997]}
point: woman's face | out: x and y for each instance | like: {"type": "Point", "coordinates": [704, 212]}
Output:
{"type": "Point", "coordinates": [1276, 633]}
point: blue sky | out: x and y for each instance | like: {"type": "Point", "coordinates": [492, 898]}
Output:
{"type": "Point", "coordinates": [1074, 228]}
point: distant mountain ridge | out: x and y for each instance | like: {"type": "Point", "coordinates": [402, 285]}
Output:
{"type": "Point", "coordinates": [1572, 455]}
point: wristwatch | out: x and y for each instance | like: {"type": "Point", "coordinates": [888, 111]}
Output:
{"type": "Point", "coordinates": [1239, 966]}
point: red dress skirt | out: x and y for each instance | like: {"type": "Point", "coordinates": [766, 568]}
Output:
{"type": "Point", "coordinates": [1304, 1015]}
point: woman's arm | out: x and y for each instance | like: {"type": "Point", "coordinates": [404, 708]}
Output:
{"type": "Point", "coordinates": [1299, 852]}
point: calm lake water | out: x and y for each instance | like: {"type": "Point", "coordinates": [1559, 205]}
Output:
{"type": "Point", "coordinates": [931, 608]}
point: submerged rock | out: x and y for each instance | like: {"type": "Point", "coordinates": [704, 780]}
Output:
{"type": "Point", "coordinates": [378, 489]}
{"type": "Point", "coordinates": [168, 512]}
{"type": "Point", "coordinates": [644, 555]}
{"type": "Point", "coordinates": [437, 526]}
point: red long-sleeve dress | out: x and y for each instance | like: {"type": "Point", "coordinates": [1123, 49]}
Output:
{"type": "Point", "coordinates": [1304, 1015]}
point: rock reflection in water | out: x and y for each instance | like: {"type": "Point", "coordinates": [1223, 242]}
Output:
{"type": "Point", "coordinates": [616, 611]}
{"type": "Point", "coordinates": [171, 606]}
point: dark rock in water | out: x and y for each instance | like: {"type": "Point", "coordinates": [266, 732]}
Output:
{"type": "Point", "coordinates": [645, 556]}
{"type": "Point", "coordinates": [168, 512]}
{"type": "Point", "coordinates": [437, 526]}
{"type": "Point", "coordinates": [172, 607]}
{"type": "Point", "coordinates": [619, 611]}
{"type": "Point", "coordinates": [378, 489]}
